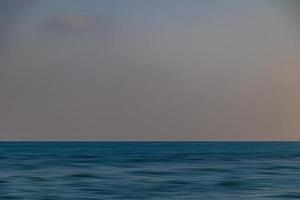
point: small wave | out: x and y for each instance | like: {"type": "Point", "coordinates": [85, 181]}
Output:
{"type": "Point", "coordinates": [82, 176]}
{"type": "Point", "coordinates": [150, 173]}
{"type": "Point", "coordinates": [229, 183]}
{"type": "Point", "coordinates": [287, 196]}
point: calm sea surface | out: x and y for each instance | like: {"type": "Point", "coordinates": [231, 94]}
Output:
{"type": "Point", "coordinates": [149, 170]}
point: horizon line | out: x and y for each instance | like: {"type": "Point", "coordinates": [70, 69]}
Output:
{"type": "Point", "coordinates": [147, 141]}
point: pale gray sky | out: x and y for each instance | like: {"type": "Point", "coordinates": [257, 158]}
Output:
{"type": "Point", "coordinates": [149, 70]}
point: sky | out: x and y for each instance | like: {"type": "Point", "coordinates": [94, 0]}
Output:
{"type": "Point", "coordinates": [149, 70]}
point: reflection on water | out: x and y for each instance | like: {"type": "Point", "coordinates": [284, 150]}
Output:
{"type": "Point", "coordinates": [162, 170]}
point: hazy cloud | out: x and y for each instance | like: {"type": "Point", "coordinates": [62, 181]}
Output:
{"type": "Point", "coordinates": [77, 24]}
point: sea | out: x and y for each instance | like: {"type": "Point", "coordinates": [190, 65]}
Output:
{"type": "Point", "coordinates": [149, 170]}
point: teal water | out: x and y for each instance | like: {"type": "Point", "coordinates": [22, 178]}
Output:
{"type": "Point", "coordinates": [149, 170]}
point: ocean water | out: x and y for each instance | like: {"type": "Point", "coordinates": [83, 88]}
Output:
{"type": "Point", "coordinates": [149, 170]}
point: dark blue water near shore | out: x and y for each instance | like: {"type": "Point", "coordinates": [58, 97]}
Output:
{"type": "Point", "coordinates": [149, 170]}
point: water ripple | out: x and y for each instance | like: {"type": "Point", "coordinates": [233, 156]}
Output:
{"type": "Point", "coordinates": [163, 170]}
